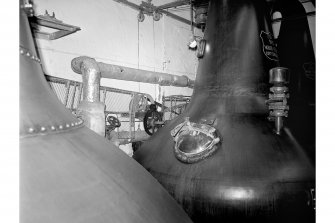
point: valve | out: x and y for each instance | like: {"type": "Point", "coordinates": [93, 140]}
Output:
{"type": "Point", "coordinates": [112, 123]}
{"type": "Point", "coordinates": [153, 120]}
{"type": "Point", "coordinates": [277, 102]}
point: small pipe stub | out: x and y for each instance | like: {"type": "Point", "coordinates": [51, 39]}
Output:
{"type": "Point", "coordinates": [279, 75]}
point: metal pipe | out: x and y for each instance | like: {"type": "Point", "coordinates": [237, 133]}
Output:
{"type": "Point", "coordinates": [67, 86]}
{"type": "Point", "coordinates": [91, 80]}
{"type": "Point", "coordinates": [278, 124]}
{"type": "Point", "coordinates": [73, 95]}
{"type": "Point", "coordinates": [191, 15]}
{"type": "Point", "coordinates": [104, 95]}
{"type": "Point", "coordinates": [130, 74]}
{"type": "Point", "coordinates": [91, 109]}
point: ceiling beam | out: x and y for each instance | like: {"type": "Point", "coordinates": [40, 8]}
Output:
{"type": "Point", "coordinates": [174, 4]}
{"type": "Point", "coordinates": [145, 10]}
{"type": "Point", "coordinates": [130, 4]}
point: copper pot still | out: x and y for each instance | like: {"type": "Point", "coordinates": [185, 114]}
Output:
{"type": "Point", "coordinates": [222, 159]}
{"type": "Point", "coordinates": [68, 173]}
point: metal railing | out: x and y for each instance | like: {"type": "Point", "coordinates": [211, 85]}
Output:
{"type": "Point", "coordinates": [127, 106]}
{"type": "Point", "coordinates": [174, 105]}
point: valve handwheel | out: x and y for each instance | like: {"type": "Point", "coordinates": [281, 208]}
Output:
{"type": "Point", "coordinates": [150, 120]}
{"type": "Point", "coordinates": [112, 123]}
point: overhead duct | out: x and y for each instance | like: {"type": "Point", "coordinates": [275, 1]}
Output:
{"type": "Point", "coordinates": [111, 71]}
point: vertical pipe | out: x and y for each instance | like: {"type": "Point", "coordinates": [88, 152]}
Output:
{"type": "Point", "coordinates": [104, 96]}
{"type": "Point", "coordinates": [91, 80]}
{"type": "Point", "coordinates": [132, 117]}
{"type": "Point", "coordinates": [278, 124]}
{"type": "Point", "coordinates": [80, 93]}
{"type": "Point", "coordinates": [191, 15]}
{"type": "Point", "coordinates": [91, 109]}
{"type": "Point", "coordinates": [67, 86]}
{"type": "Point", "coordinates": [163, 108]}
{"type": "Point", "coordinates": [73, 95]}
{"type": "Point", "coordinates": [170, 107]}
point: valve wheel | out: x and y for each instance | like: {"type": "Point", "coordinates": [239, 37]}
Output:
{"type": "Point", "coordinates": [149, 121]}
{"type": "Point", "coordinates": [112, 123]}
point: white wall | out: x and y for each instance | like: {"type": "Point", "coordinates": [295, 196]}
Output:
{"type": "Point", "coordinates": [109, 33]}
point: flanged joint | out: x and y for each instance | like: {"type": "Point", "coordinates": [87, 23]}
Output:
{"type": "Point", "coordinates": [279, 75]}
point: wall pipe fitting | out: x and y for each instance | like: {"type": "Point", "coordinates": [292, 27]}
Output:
{"type": "Point", "coordinates": [91, 110]}
{"type": "Point", "coordinates": [130, 74]}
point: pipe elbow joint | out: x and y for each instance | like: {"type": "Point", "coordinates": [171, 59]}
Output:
{"type": "Point", "coordinates": [84, 63]}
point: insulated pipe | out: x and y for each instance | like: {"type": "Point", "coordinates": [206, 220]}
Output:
{"type": "Point", "coordinates": [91, 110]}
{"type": "Point", "coordinates": [91, 80]}
{"type": "Point", "coordinates": [130, 74]}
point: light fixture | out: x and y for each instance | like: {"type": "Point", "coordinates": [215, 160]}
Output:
{"type": "Point", "coordinates": [193, 43]}
{"type": "Point", "coordinates": [197, 43]}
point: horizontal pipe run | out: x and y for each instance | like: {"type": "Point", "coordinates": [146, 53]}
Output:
{"type": "Point", "coordinates": [111, 71]}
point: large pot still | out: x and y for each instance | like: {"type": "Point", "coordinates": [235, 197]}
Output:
{"type": "Point", "coordinates": [68, 173]}
{"type": "Point", "coordinates": [221, 159]}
